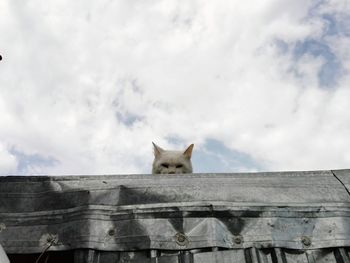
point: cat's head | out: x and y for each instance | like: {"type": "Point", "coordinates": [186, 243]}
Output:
{"type": "Point", "coordinates": [172, 162]}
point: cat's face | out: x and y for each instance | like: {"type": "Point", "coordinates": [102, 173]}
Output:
{"type": "Point", "coordinates": [172, 162]}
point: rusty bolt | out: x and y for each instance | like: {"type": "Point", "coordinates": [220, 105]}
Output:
{"type": "Point", "coordinates": [111, 232]}
{"type": "Point", "coordinates": [306, 241]}
{"type": "Point", "coordinates": [181, 239]}
{"type": "Point", "coordinates": [238, 239]}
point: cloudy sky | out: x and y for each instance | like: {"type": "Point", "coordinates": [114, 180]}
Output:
{"type": "Point", "coordinates": [86, 86]}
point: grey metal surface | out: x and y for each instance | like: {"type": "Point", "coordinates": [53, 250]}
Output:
{"type": "Point", "coordinates": [3, 256]}
{"type": "Point", "coordinates": [258, 217]}
{"type": "Point", "coordinates": [344, 177]}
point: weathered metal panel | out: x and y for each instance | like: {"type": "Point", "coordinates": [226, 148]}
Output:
{"type": "Point", "coordinates": [41, 193]}
{"type": "Point", "coordinates": [257, 217]}
{"type": "Point", "coordinates": [227, 256]}
{"type": "Point", "coordinates": [344, 177]}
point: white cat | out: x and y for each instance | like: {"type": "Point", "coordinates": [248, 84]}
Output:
{"type": "Point", "coordinates": [172, 162]}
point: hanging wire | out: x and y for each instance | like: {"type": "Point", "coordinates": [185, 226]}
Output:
{"type": "Point", "coordinates": [51, 241]}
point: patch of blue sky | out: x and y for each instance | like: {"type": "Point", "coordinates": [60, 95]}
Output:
{"type": "Point", "coordinates": [173, 139]}
{"type": "Point", "coordinates": [336, 24]}
{"type": "Point", "coordinates": [215, 157]}
{"type": "Point", "coordinates": [281, 45]}
{"type": "Point", "coordinates": [128, 119]}
{"type": "Point", "coordinates": [330, 70]}
{"type": "Point", "coordinates": [28, 162]}
{"type": "Point", "coordinates": [331, 27]}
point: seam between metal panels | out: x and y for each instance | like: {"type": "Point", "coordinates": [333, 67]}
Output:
{"type": "Point", "coordinates": [340, 181]}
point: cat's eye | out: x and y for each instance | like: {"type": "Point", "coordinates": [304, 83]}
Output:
{"type": "Point", "coordinates": [179, 166]}
{"type": "Point", "coordinates": [165, 165]}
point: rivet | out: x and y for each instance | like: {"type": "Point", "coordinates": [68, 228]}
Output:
{"type": "Point", "coordinates": [306, 241]}
{"type": "Point", "coordinates": [181, 239]}
{"type": "Point", "coordinates": [238, 239]}
{"type": "Point", "coordinates": [111, 232]}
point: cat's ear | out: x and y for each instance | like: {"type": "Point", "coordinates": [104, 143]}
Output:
{"type": "Point", "coordinates": [157, 150]}
{"type": "Point", "coordinates": [188, 152]}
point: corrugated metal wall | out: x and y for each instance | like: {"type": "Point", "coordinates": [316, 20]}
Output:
{"type": "Point", "coordinates": [262, 217]}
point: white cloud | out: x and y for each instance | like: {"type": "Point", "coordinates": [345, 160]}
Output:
{"type": "Point", "coordinates": [91, 84]}
{"type": "Point", "coordinates": [8, 162]}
